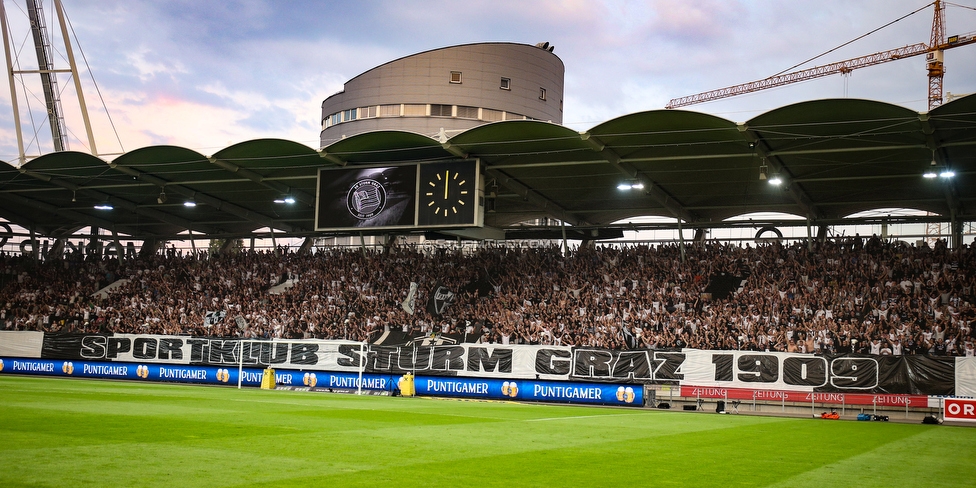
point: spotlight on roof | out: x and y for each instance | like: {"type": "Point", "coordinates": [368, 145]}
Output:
{"type": "Point", "coordinates": [104, 206]}
{"type": "Point", "coordinates": [947, 173]}
{"type": "Point", "coordinates": [930, 174]}
{"type": "Point", "coordinates": [189, 203]}
{"type": "Point", "coordinates": [289, 200]}
{"type": "Point", "coordinates": [635, 185]}
{"type": "Point", "coordinates": [775, 180]}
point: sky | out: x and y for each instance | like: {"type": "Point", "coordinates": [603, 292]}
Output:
{"type": "Point", "coordinates": [208, 74]}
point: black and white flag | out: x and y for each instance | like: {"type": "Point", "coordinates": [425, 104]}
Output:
{"type": "Point", "coordinates": [410, 302]}
{"type": "Point", "coordinates": [629, 339]}
{"type": "Point", "coordinates": [213, 318]}
{"type": "Point", "coordinates": [440, 298]}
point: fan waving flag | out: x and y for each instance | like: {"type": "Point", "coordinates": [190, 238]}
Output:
{"type": "Point", "coordinates": [213, 318]}
{"type": "Point", "coordinates": [410, 302]}
{"type": "Point", "coordinates": [440, 298]}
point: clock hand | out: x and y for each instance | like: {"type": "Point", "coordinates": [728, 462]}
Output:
{"type": "Point", "coordinates": [446, 182]}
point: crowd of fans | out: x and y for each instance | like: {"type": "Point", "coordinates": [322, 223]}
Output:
{"type": "Point", "coordinates": [849, 295]}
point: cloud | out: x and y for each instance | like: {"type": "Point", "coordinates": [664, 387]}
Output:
{"type": "Point", "coordinates": [702, 22]}
{"type": "Point", "coordinates": [208, 74]}
{"type": "Point", "coordinates": [147, 70]}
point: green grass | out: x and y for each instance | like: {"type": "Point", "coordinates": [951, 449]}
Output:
{"type": "Point", "coordinates": [73, 432]}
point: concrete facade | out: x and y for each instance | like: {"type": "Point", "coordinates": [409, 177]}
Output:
{"type": "Point", "coordinates": [444, 91]}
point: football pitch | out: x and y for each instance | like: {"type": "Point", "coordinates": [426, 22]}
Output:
{"type": "Point", "coordinates": [74, 432]}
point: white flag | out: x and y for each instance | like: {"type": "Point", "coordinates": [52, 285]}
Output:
{"type": "Point", "coordinates": [410, 302]}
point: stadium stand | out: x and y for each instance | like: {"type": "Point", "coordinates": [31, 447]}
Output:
{"type": "Point", "coordinates": [847, 295]}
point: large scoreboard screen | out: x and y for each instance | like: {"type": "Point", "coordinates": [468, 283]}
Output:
{"type": "Point", "coordinates": [415, 195]}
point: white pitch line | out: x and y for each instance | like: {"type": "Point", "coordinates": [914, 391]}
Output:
{"type": "Point", "coordinates": [582, 417]}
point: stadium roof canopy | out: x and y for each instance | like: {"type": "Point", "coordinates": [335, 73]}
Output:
{"type": "Point", "coordinates": [836, 157]}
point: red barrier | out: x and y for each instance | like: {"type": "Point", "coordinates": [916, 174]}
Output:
{"type": "Point", "coordinates": [879, 399]}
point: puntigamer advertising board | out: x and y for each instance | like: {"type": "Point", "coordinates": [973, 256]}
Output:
{"type": "Point", "coordinates": [528, 390]}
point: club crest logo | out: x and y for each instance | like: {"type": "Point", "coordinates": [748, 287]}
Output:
{"type": "Point", "coordinates": [442, 298]}
{"type": "Point", "coordinates": [310, 380]}
{"type": "Point", "coordinates": [68, 367]}
{"type": "Point", "coordinates": [142, 371]}
{"type": "Point", "coordinates": [625, 394]}
{"type": "Point", "coordinates": [223, 375]}
{"type": "Point", "coordinates": [510, 389]}
{"type": "Point", "coordinates": [1, 364]}
{"type": "Point", "coordinates": [366, 199]}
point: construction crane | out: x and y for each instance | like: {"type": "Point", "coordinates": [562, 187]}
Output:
{"type": "Point", "coordinates": [934, 60]}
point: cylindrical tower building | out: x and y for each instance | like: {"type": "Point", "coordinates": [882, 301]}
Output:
{"type": "Point", "coordinates": [444, 91]}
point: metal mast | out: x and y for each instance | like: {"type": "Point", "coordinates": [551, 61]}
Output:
{"type": "Point", "coordinates": [48, 73]}
{"type": "Point", "coordinates": [49, 79]}
{"type": "Point", "coordinates": [21, 159]}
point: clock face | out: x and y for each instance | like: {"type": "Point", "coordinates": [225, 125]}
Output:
{"type": "Point", "coordinates": [447, 194]}
{"type": "Point", "coordinates": [455, 188]}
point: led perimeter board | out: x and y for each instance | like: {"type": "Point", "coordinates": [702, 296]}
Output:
{"type": "Point", "coordinates": [405, 196]}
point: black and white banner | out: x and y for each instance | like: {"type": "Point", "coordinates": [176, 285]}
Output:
{"type": "Point", "coordinates": [441, 298]}
{"type": "Point", "coordinates": [488, 361]}
{"type": "Point", "coordinates": [920, 375]}
{"type": "Point", "coordinates": [213, 318]}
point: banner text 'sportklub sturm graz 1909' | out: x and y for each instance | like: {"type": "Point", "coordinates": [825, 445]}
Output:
{"type": "Point", "coordinates": [927, 375]}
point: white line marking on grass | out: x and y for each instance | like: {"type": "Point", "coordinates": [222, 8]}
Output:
{"type": "Point", "coordinates": [389, 410]}
{"type": "Point", "coordinates": [582, 417]}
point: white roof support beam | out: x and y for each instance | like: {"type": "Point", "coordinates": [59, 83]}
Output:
{"type": "Point", "coordinates": [651, 188]}
{"type": "Point", "coordinates": [261, 180]}
{"type": "Point", "coordinates": [69, 214]}
{"type": "Point", "coordinates": [132, 207]}
{"type": "Point", "coordinates": [776, 165]}
{"type": "Point", "coordinates": [203, 198]}
{"type": "Point", "coordinates": [535, 198]}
